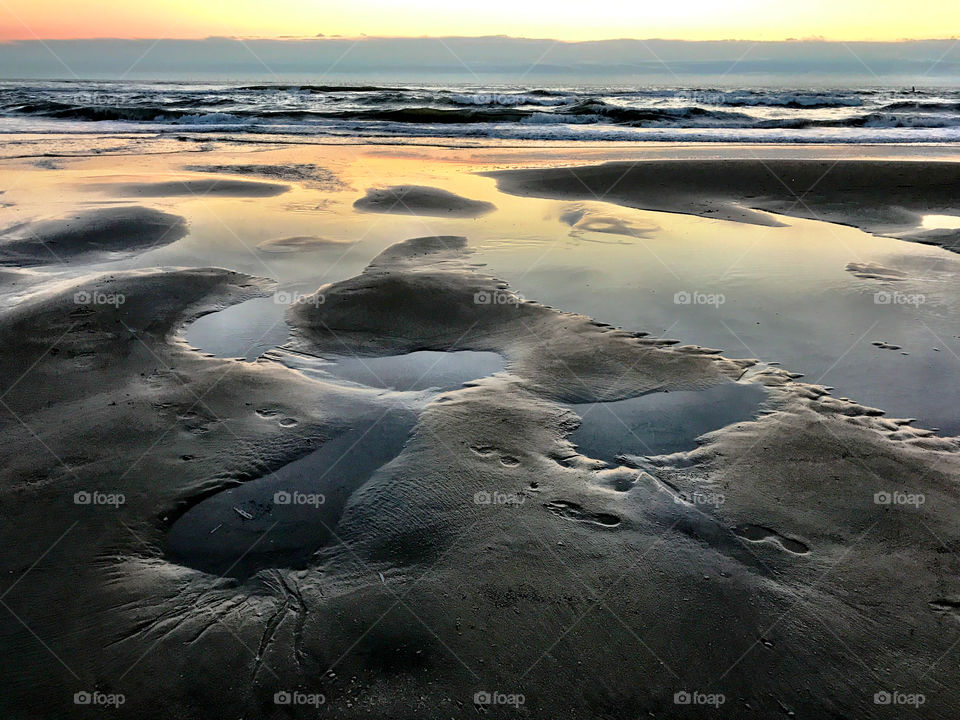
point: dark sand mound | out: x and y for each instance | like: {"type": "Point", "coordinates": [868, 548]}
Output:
{"type": "Point", "coordinates": [86, 235]}
{"type": "Point", "coordinates": [488, 556]}
{"type": "Point", "coordinates": [198, 188]}
{"type": "Point", "coordinates": [419, 294]}
{"type": "Point", "coordinates": [14, 277]}
{"type": "Point", "coordinates": [945, 238]}
{"type": "Point", "coordinates": [874, 271]}
{"type": "Point", "coordinates": [612, 225]}
{"type": "Point", "coordinates": [306, 173]}
{"type": "Point", "coordinates": [880, 197]}
{"type": "Point", "coordinates": [582, 220]}
{"type": "Point", "coordinates": [297, 244]}
{"type": "Point", "coordinates": [421, 200]}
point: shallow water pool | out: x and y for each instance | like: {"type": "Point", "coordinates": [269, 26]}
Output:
{"type": "Point", "coordinates": [664, 422]}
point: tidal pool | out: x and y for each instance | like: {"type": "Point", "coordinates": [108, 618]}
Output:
{"type": "Point", "coordinates": [664, 422]}
{"type": "Point", "coordinates": [282, 518]}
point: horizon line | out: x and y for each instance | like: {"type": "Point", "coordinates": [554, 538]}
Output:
{"type": "Point", "coordinates": [320, 37]}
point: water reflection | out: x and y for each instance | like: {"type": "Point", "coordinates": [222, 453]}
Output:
{"type": "Point", "coordinates": [786, 294]}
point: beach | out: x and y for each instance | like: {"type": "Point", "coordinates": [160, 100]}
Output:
{"type": "Point", "coordinates": [452, 426]}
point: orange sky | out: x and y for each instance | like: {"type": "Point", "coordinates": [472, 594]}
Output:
{"type": "Point", "coordinates": [597, 19]}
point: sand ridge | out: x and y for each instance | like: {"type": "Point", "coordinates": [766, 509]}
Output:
{"type": "Point", "coordinates": [195, 188]}
{"type": "Point", "coordinates": [883, 197]}
{"type": "Point", "coordinates": [299, 243]}
{"type": "Point", "coordinates": [421, 200]}
{"type": "Point", "coordinates": [308, 174]}
{"type": "Point", "coordinates": [419, 294]}
{"type": "Point", "coordinates": [89, 234]}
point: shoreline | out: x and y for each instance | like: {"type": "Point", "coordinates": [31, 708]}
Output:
{"type": "Point", "coordinates": [921, 151]}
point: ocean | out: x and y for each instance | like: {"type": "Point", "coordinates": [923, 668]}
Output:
{"type": "Point", "coordinates": [507, 113]}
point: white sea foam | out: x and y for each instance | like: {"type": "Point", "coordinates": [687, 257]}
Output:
{"type": "Point", "coordinates": [506, 113]}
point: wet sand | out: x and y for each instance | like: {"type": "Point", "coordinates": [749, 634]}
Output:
{"type": "Point", "coordinates": [418, 200]}
{"type": "Point", "coordinates": [196, 188]}
{"type": "Point", "coordinates": [880, 197]}
{"type": "Point", "coordinates": [88, 234]}
{"type": "Point", "coordinates": [474, 548]}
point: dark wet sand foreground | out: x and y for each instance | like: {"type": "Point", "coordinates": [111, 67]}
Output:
{"type": "Point", "coordinates": [797, 563]}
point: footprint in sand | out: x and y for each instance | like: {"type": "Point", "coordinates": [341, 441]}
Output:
{"type": "Point", "coordinates": [759, 534]}
{"type": "Point", "coordinates": [485, 451]}
{"type": "Point", "coordinates": [946, 606]}
{"type": "Point", "coordinates": [574, 511]}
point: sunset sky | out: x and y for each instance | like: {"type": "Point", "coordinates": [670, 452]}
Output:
{"type": "Point", "coordinates": [597, 19]}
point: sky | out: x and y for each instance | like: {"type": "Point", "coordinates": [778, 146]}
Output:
{"type": "Point", "coordinates": [557, 19]}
